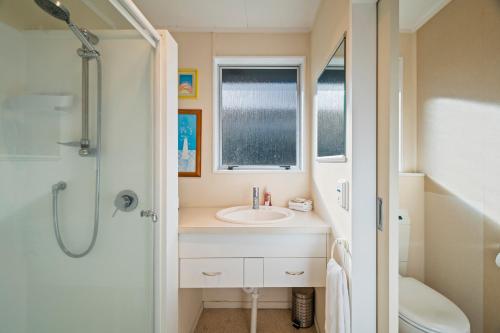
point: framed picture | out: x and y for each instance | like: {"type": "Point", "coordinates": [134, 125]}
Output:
{"type": "Point", "coordinates": [189, 143]}
{"type": "Point", "coordinates": [188, 83]}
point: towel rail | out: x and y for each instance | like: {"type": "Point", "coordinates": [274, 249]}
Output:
{"type": "Point", "coordinates": [345, 245]}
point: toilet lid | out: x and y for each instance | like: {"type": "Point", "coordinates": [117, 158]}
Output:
{"type": "Point", "coordinates": [428, 310]}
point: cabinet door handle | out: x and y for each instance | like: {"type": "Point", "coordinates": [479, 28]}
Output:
{"type": "Point", "coordinates": [294, 273]}
{"type": "Point", "coordinates": [211, 273]}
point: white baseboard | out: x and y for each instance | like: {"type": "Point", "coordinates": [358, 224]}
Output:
{"type": "Point", "coordinates": [246, 305]}
{"type": "Point", "coordinates": [197, 318]}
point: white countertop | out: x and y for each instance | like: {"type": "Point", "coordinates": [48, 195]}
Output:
{"type": "Point", "coordinates": [203, 220]}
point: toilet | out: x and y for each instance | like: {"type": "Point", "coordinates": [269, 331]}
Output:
{"type": "Point", "coordinates": [421, 308]}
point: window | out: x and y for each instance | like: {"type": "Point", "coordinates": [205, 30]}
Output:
{"type": "Point", "coordinates": [258, 116]}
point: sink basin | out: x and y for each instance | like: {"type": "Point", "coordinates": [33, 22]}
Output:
{"type": "Point", "coordinates": [247, 215]}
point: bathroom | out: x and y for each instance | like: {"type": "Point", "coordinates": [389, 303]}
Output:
{"type": "Point", "coordinates": [144, 190]}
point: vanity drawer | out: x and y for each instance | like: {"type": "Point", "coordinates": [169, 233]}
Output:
{"type": "Point", "coordinates": [294, 272]}
{"type": "Point", "coordinates": [211, 273]}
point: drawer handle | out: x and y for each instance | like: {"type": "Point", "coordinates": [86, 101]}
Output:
{"type": "Point", "coordinates": [211, 273]}
{"type": "Point", "coordinates": [294, 273]}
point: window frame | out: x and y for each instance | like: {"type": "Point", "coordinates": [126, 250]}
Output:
{"type": "Point", "coordinates": [257, 62]}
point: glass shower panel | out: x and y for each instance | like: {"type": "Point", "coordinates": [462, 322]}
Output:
{"type": "Point", "coordinates": [42, 289]}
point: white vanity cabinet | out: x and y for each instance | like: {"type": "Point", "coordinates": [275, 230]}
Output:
{"type": "Point", "coordinates": [214, 254]}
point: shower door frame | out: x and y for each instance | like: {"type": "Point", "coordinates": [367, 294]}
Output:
{"type": "Point", "coordinates": [165, 169]}
{"type": "Point", "coordinates": [165, 184]}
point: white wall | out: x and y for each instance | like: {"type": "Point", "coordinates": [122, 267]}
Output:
{"type": "Point", "coordinates": [113, 284]}
{"type": "Point", "coordinates": [362, 93]}
{"type": "Point", "coordinates": [412, 199]}
{"type": "Point", "coordinates": [269, 298]}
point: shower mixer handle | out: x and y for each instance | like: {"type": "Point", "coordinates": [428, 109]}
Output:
{"type": "Point", "coordinates": [125, 201]}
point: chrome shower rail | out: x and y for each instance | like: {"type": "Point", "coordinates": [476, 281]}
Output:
{"type": "Point", "coordinates": [56, 188]}
{"type": "Point", "coordinates": [86, 52]}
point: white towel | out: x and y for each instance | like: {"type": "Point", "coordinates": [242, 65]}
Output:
{"type": "Point", "coordinates": [338, 310]}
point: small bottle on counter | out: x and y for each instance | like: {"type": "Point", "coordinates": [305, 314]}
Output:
{"type": "Point", "coordinates": [267, 198]}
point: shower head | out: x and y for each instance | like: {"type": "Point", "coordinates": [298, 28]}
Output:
{"type": "Point", "coordinates": [57, 10]}
{"type": "Point", "coordinates": [54, 8]}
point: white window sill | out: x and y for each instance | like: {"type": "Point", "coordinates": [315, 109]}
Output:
{"type": "Point", "coordinates": [332, 159]}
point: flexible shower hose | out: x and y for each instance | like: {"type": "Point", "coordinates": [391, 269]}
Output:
{"type": "Point", "coordinates": [61, 185]}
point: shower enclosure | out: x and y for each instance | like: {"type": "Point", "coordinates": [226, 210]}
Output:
{"type": "Point", "coordinates": [97, 280]}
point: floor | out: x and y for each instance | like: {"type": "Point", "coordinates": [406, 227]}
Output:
{"type": "Point", "coordinates": [238, 320]}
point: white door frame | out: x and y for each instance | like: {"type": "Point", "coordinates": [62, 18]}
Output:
{"type": "Point", "coordinates": [166, 199]}
{"type": "Point", "coordinates": [363, 44]}
{"type": "Point", "coordinates": [388, 165]}
{"type": "Point", "coordinates": [165, 170]}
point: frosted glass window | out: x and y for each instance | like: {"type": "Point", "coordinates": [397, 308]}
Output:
{"type": "Point", "coordinates": [259, 112]}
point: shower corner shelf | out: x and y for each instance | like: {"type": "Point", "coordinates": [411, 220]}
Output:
{"type": "Point", "coordinates": [41, 102]}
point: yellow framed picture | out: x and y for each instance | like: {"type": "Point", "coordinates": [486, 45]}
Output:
{"type": "Point", "coordinates": [188, 83]}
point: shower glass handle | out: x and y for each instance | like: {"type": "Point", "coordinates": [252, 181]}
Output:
{"type": "Point", "coordinates": [150, 213]}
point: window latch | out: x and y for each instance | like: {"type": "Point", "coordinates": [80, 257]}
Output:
{"type": "Point", "coordinates": [286, 167]}
{"type": "Point", "coordinates": [231, 167]}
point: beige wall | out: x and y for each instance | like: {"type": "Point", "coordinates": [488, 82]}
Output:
{"type": "Point", "coordinates": [190, 308]}
{"type": "Point", "coordinates": [408, 54]}
{"type": "Point", "coordinates": [332, 20]}
{"type": "Point", "coordinates": [196, 50]}
{"type": "Point", "coordinates": [412, 198]}
{"type": "Point", "coordinates": [458, 68]}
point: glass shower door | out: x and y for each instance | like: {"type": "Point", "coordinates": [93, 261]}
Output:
{"type": "Point", "coordinates": [42, 289]}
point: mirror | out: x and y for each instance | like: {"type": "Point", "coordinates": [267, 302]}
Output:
{"type": "Point", "coordinates": [331, 109]}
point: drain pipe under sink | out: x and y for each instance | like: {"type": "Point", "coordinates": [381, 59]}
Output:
{"type": "Point", "coordinates": [254, 292]}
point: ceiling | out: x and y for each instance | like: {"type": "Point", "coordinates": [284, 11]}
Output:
{"type": "Point", "coordinates": [231, 15]}
{"type": "Point", "coordinates": [91, 14]}
{"type": "Point", "coordinates": [202, 15]}
{"type": "Point", "coordinates": [415, 13]}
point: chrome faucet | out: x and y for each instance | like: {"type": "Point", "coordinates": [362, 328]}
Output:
{"type": "Point", "coordinates": [255, 197]}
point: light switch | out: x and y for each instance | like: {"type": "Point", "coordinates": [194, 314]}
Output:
{"type": "Point", "coordinates": [343, 193]}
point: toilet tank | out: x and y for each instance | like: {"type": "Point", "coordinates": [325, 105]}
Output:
{"type": "Point", "coordinates": [404, 240]}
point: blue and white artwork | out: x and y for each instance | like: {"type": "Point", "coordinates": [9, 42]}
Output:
{"type": "Point", "coordinates": [187, 142]}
